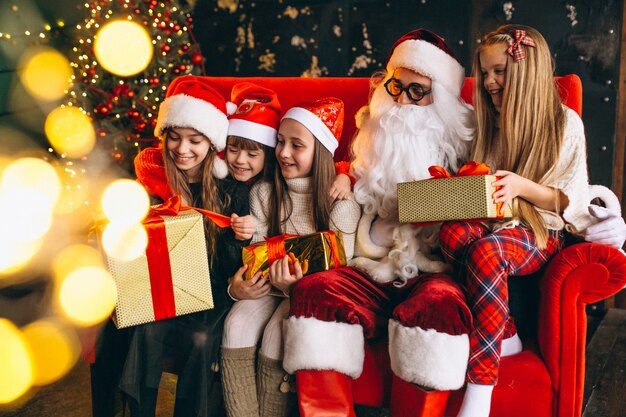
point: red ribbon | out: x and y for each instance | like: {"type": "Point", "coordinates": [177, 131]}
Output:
{"type": "Point", "coordinates": [157, 252]}
{"type": "Point", "coordinates": [334, 249]}
{"type": "Point", "coordinates": [516, 49]}
{"type": "Point", "coordinates": [468, 169]}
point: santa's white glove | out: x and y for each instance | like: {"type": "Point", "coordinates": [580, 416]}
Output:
{"type": "Point", "coordinates": [610, 229]}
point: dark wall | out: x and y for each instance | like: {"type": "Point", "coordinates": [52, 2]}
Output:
{"type": "Point", "coordinates": [339, 38]}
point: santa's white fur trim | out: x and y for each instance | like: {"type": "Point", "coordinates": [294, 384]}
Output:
{"type": "Point", "coordinates": [186, 111]}
{"type": "Point", "coordinates": [428, 358]}
{"type": "Point", "coordinates": [322, 345]}
{"type": "Point", "coordinates": [253, 131]}
{"type": "Point", "coordinates": [315, 126]}
{"type": "Point", "coordinates": [220, 169]}
{"type": "Point", "coordinates": [607, 196]}
{"type": "Point", "coordinates": [364, 245]}
{"type": "Point", "coordinates": [429, 60]}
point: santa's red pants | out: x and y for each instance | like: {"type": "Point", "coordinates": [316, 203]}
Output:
{"type": "Point", "coordinates": [334, 311]}
{"type": "Point", "coordinates": [483, 261]}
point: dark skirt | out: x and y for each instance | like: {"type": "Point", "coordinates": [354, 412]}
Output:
{"type": "Point", "coordinates": [192, 342]}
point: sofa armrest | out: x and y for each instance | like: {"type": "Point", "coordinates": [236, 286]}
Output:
{"type": "Point", "coordinates": [579, 275]}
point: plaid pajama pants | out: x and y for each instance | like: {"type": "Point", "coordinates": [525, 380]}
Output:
{"type": "Point", "coordinates": [483, 261]}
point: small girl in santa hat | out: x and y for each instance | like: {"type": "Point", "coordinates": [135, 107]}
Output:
{"type": "Point", "coordinates": [538, 147]}
{"type": "Point", "coordinates": [297, 201]}
{"type": "Point", "coordinates": [192, 123]}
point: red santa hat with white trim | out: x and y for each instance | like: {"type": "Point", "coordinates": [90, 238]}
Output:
{"type": "Point", "coordinates": [257, 115]}
{"type": "Point", "coordinates": [426, 52]}
{"type": "Point", "coordinates": [323, 118]}
{"type": "Point", "coordinates": [190, 101]}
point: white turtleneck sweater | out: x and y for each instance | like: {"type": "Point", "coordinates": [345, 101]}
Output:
{"type": "Point", "coordinates": [344, 215]}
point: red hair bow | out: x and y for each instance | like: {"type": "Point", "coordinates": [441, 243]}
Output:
{"type": "Point", "coordinates": [516, 49]}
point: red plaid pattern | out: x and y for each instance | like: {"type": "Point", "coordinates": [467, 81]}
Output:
{"type": "Point", "coordinates": [483, 261]}
{"type": "Point", "coordinates": [516, 49]}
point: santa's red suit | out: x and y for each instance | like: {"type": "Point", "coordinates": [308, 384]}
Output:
{"type": "Point", "coordinates": [426, 317]}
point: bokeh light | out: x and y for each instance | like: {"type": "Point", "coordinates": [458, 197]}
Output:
{"type": "Point", "coordinates": [15, 362]}
{"type": "Point", "coordinates": [125, 202]}
{"type": "Point", "coordinates": [123, 47]}
{"type": "Point", "coordinates": [32, 174]}
{"type": "Point", "coordinates": [124, 243]}
{"type": "Point", "coordinates": [74, 257]}
{"type": "Point", "coordinates": [15, 255]}
{"type": "Point", "coordinates": [70, 132]}
{"type": "Point", "coordinates": [46, 74]}
{"type": "Point", "coordinates": [87, 296]}
{"type": "Point", "coordinates": [54, 348]}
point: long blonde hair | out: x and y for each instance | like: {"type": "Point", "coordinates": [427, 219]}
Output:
{"type": "Point", "coordinates": [531, 119]}
{"type": "Point", "coordinates": [209, 195]}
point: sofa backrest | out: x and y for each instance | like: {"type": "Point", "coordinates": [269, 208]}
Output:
{"type": "Point", "coordinates": [354, 92]}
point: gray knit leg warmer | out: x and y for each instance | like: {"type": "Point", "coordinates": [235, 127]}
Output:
{"type": "Point", "coordinates": [275, 389]}
{"type": "Point", "coordinates": [239, 382]}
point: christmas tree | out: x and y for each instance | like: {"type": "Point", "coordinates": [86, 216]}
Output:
{"type": "Point", "coordinates": [124, 109]}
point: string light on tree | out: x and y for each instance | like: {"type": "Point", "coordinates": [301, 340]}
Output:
{"type": "Point", "coordinates": [124, 107]}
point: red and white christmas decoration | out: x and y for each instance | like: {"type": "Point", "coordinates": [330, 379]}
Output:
{"type": "Point", "coordinates": [257, 115]}
{"type": "Point", "coordinates": [323, 118]}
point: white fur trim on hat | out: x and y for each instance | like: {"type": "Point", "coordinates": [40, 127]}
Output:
{"type": "Point", "coordinates": [315, 126]}
{"type": "Point", "coordinates": [220, 169]}
{"type": "Point", "coordinates": [186, 111]}
{"type": "Point", "coordinates": [427, 357]}
{"type": "Point", "coordinates": [253, 131]}
{"type": "Point", "coordinates": [321, 345]}
{"type": "Point", "coordinates": [429, 60]}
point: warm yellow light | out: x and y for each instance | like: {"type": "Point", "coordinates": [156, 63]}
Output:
{"type": "Point", "coordinates": [14, 255]}
{"type": "Point", "coordinates": [32, 174]}
{"type": "Point", "coordinates": [125, 202]}
{"type": "Point", "coordinates": [124, 243]}
{"type": "Point", "coordinates": [70, 132]}
{"type": "Point", "coordinates": [87, 296]}
{"type": "Point", "coordinates": [15, 361]}
{"type": "Point", "coordinates": [46, 74]}
{"type": "Point", "coordinates": [54, 349]}
{"type": "Point", "coordinates": [123, 47]}
{"type": "Point", "coordinates": [74, 257]}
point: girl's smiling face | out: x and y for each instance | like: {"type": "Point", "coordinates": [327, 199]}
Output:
{"type": "Point", "coordinates": [295, 149]}
{"type": "Point", "coordinates": [493, 60]}
{"type": "Point", "coordinates": [244, 164]}
{"type": "Point", "coordinates": [187, 147]}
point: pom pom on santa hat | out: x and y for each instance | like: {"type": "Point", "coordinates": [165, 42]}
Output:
{"type": "Point", "coordinates": [426, 52]}
{"type": "Point", "coordinates": [257, 113]}
{"type": "Point", "coordinates": [190, 101]}
{"type": "Point", "coordinates": [323, 118]}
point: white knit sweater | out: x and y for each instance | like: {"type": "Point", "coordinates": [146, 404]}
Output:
{"type": "Point", "coordinates": [344, 215]}
{"type": "Point", "coordinates": [569, 175]}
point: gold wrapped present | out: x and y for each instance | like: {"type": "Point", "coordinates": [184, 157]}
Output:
{"type": "Point", "coordinates": [316, 252]}
{"type": "Point", "coordinates": [172, 277]}
{"type": "Point", "coordinates": [467, 196]}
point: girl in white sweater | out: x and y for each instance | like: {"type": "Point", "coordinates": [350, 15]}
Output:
{"type": "Point", "coordinates": [538, 147]}
{"type": "Point", "coordinates": [297, 202]}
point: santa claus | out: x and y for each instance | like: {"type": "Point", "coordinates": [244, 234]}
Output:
{"type": "Point", "coordinates": [415, 119]}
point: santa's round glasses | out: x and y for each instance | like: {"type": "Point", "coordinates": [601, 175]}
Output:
{"type": "Point", "coordinates": [414, 91]}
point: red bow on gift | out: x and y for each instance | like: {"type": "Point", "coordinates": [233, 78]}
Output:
{"type": "Point", "coordinates": [516, 49]}
{"type": "Point", "coordinates": [172, 206]}
{"type": "Point", "coordinates": [470, 168]}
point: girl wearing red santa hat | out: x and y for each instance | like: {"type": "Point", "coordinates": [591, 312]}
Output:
{"type": "Point", "coordinates": [296, 202]}
{"type": "Point", "coordinates": [193, 124]}
{"type": "Point", "coordinates": [538, 147]}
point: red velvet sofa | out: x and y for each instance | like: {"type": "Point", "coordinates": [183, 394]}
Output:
{"type": "Point", "coordinates": [547, 378]}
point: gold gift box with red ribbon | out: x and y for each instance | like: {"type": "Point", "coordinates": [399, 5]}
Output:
{"type": "Point", "coordinates": [172, 277]}
{"type": "Point", "coordinates": [316, 252]}
{"type": "Point", "coordinates": [467, 195]}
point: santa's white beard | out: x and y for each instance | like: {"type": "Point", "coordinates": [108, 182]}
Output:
{"type": "Point", "coordinates": [397, 143]}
